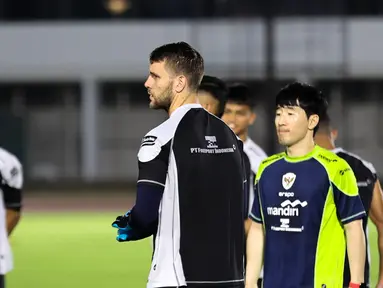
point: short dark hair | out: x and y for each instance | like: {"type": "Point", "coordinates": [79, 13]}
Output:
{"type": "Point", "coordinates": [182, 59]}
{"type": "Point", "coordinates": [217, 88]}
{"type": "Point", "coordinates": [240, 93]}
{"type": "Point", "coordinates": [303, 95]}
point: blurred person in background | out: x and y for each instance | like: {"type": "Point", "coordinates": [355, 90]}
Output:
{"type": "Point", "coordinates": [370, 192]}
{"type": "Point", "coordinates": [239, 115]}
{"type": "Point", "coordinates": [12, 185]}
{"type": "Point", "coordinates": [181, 186]}
{"type": "Point", "coordinates": [212, 95]}
{"type": "Point", "coordinates": [11, 174]}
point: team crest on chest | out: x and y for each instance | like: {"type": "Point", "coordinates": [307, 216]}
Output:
{"type": "Point", "coordinates": [288, 180]}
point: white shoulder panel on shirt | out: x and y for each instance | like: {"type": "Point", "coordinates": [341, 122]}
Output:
{"type": "Point", "coordinates": [150, 148]}
{"type": "Point", "coordinates": [255, 153]}
{"type": "Point", "coordinates": [250, 145]}
{"type": "Point", "coordinates": [154, 140]}
{"type": "Point", "coordinates": [11, 169]}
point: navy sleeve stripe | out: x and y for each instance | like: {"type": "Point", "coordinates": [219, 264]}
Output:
{"type": "Point", "coordinates": [150, 181]}
{"type": "Point", "coordinates": [255, 219]}
{"type": "Point", "coordinates": [354, 217]}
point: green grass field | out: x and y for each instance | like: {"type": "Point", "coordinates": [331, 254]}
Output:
{"type": "Point", "coordinates": [54, 250]}
{"type": "Point", "coordinates": [74, 250]}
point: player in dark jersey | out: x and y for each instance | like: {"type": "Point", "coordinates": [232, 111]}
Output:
{"type": "Point", "coordinates": [181, 183]}
{"type": "Point", "coordinates": [306, 206]}
{"type": "Point", "coordinates": [212, 95]}
{"type": "Point", "coordinates": [369, 190]}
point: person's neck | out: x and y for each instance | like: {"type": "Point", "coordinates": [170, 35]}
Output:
{"type": "Point", "coordinates": [325, 142]}
{"type": "Point", "coordinates": [182, 99]}
{"type": "Point", "coordinates": [300, 149]}
{"type": "Point", "coordinates": [328, 146]}
{"type": "Point", "coordinates": [243, 136]}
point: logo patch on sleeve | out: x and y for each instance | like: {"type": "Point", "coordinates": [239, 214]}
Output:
{"type": "Point", "coordinates": [14, 172]}
{"type": "Point", "coordinates": [148, 140]}
{"type": "Point", "coordinates": [150, 148]}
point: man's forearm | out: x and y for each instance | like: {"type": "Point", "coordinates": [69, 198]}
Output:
{"type": "Point", "coordinates": [144, 214]}
{"type": "Point", "coordinates": [254, 256]}
{"type": "Point", "coordinates": [247, 226]}
{"type": "Point", "coordinates": [356, 250]}
{"type": "Point", "coordinates": [13, 218]}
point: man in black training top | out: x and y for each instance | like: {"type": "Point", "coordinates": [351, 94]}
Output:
{"type": "Point", "coordinates": [370, 193]}
{"type": "Point", "coordinates": [181, 183]}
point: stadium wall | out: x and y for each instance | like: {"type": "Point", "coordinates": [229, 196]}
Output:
{"type": "Point", "coordinates": [70, 51]}
{"type": "Point", "coordinates": [87, 53]}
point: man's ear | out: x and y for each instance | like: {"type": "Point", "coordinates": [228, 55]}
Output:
{"type": "Point", "coordinates": [252, 119]}
{"type": "Point", "coordinates": [313, 121]}
{"type": "Point", "coordinates": [180, 83]}
{"type": "Point", "coordinates": [334, 134]}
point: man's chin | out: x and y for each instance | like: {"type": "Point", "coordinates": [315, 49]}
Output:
{"type": "Point", "coordinates": [285, 142]}
{"type": "Point", "coordinates": [153, 105]}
